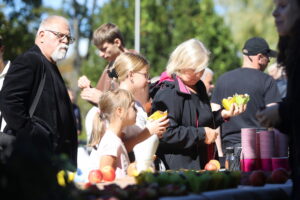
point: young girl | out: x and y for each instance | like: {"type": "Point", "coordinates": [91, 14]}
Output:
{"type": "Point", "coordinates": [117, 112]}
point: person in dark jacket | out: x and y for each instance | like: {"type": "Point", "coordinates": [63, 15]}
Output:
{"type": "Point", "coordinates": [183, 95]}
{"type": "Point", "coordinates": [285, 116]}
{"type": "Point", "coordinates": [53, 120]}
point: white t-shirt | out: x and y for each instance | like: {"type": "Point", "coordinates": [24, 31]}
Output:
{"type": "Point", "coordinates": [111, 145]}
{"type": "Point", "coordinates": [2, 76]}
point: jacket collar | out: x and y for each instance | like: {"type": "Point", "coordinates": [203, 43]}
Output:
{"type": "Point", "coordinates": [179, 85]}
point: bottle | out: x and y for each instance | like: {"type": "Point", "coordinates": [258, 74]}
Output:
{"type": "Point", "coordinates": [230, 158]}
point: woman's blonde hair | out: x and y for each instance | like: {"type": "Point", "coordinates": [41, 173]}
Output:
{"type": "Point", "coordinates": [108, 103]}
{"type": "Point", "coordinates": [191, 54]}
{"type": "Point", "coordinates": [127, 62]}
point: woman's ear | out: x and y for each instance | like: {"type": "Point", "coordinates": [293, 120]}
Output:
{"type": "Point", "coordinates": [120, 112]}
{"type": "Point", "coordinates": [130, 76]}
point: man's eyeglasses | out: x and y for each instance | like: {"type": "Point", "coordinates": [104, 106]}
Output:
{"type": "Point", "coordinates": [62, 36]}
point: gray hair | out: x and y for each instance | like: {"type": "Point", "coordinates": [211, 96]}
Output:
{"type": "Point", "coordinates": [191, 54]}
{"type": "Point", "coordinates": [207, 71]}
{"type": "Point", "coordinates": [50, 21]}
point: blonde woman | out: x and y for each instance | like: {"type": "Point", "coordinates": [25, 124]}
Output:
{"type": "Point", "coordinates": [192, 121]}
{"type": "Point", "coordinates": [133, 75]}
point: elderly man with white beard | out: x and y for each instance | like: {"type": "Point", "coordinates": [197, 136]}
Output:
{"type": "Point", "coordinates": [50, 125]}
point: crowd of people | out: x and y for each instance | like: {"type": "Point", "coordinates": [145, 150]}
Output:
{"type": "Point", "coordinates": [37, 107]}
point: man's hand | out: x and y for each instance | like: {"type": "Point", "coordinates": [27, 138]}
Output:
{"type": "Point", "coordinates": [91, 94]}
{"type": "Point", "coordinates": [84, 82]}
{"type": "Point", "coordinates": [233, 111]}
{"type": "Point", "coordinates": [210, 135]}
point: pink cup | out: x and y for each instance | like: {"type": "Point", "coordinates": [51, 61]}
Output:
{"type": "Point", "coordinates": [280, 162]}
{"type": "Point", "coordinates": [266, 164]}
{"type": "Point", "coordinates": [248, 165]}
{"type": "Point", "coordinates": [281, 144]}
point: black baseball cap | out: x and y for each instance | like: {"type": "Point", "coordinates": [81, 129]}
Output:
{"type": "Point", "coordinates": [257, 45]}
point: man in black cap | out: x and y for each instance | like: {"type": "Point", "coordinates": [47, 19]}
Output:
{"type": "Point", "coordinates": [249, 79]}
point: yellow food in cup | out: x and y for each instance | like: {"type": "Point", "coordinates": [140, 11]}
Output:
{"type": "Point", "coordinates": [157, 114]}
{"type": "Point", "coordinates": [239, 99]}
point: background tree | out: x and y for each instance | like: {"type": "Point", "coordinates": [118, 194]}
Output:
{"type": "Point", "coordinates": [19, 26]}
{"type": "Point", "coordinates": [164, 25]}
{"type": "Point", "coordinates": [248, 18]}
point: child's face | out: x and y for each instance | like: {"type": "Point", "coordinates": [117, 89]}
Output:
{"type": "Point", "coordinates": [131, 114]}
{"type": "Point", "coordinates": [109, 51]}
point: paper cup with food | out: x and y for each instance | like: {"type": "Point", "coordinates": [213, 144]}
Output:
{"type": "Point", "coordinates": [239, 99]}
{"type": "Point", "coordinates": [145, 150]}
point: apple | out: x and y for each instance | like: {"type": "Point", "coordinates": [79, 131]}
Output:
{"type": "Point", "coordinates": [279, 175]}
{"type": "Point", "coordinates": [95, 176]}
{"type": "Point", "coordinates": [132, 170]}
{"type": "Point", "coordinates": [108, 173]}
{"type": "Point", "coordinates": [217, 163]}
{"type": "Point", "coordinates": [210, 167]}
{"type": "Point", "coordinates": [257, 178]}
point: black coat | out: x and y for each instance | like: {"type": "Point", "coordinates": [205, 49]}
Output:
{"type": "Point", "coordinates": [53, 116]}
{"type": "Point", "coordinates": [182, 146]}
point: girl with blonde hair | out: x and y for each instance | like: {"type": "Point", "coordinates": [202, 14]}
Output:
{"type": "Point", "coordinates": [117, 112]}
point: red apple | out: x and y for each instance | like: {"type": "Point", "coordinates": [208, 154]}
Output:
{"type": "Point", "coordinates": [108, 173]}
{"type": "Point", "coordinates": [257, 178]}
{"type": "Point", "coordinates": [95, 176]}
{"type": "Point", "coordinates": [279, 175]}
{"type": "Point", "coordinates": [211, 167]}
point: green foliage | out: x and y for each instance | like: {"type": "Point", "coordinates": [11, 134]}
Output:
{"type": "Point", "coordinates": [164, 25]}
{"type": "Point", "coordinates": [249, 18]}
{"type": "Point", "coordinates": [18, 28]}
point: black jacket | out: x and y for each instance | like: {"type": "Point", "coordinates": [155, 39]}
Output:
{"type": "Point", "coordinates": [182, 146]}
{"type": "Point", "coordinates": [53, 117]}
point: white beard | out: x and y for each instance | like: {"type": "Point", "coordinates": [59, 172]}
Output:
{"type": "Point", "coordinates": [60, 52]}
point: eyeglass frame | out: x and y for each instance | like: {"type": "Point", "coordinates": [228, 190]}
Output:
{"type": "Point", "coordinates": [62, 36]}
{"type": "Point", "coordinates": [146, 75]}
